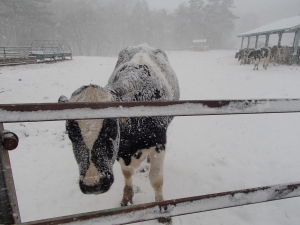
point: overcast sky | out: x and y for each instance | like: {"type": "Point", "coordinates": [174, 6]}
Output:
{"type": "Point", "coordinates": [266, 11]}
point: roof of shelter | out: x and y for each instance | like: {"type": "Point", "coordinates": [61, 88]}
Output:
{"type": "Point", "coordinates": [285, 25]}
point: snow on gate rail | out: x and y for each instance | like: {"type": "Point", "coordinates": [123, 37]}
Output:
{"type": "Point", "coordinates": [61, 111]}
{"type": "Point", "coordinates": [11, 113]}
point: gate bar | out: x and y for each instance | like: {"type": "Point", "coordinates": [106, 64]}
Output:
{"type": "Point", "coordinates": [177, 207]}
{"type": "Point", "coordinates": [62, 111]}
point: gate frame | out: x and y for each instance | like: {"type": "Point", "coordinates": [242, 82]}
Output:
{"type": "Point", "coordinates": [13, 113]}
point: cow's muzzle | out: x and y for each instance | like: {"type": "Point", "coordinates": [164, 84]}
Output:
{"type": "Point", "coordinates": [101, 186]}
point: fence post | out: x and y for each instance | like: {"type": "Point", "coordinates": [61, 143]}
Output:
{"type": "Point", "coordinates": [9, 209]}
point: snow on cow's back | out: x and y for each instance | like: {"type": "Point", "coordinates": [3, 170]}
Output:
{"type": "Point", "coordinates": [135, 61]}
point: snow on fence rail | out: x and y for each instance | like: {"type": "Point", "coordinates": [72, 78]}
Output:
{"type": "Point", "coordinates": [177, 207]}
{"type": "Point", "coordinates": [62, 111]}
{"type": "Point", "coordinates": [10, 113]}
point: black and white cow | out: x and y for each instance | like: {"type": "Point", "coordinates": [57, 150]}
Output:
{"type": "Point", "coordinates": [266, 53]}
{"type": "Point", "coordinates": [273, 57]}
{"type": "Point", "coordinates": [243, 54]}
{"type": "Point", "coordinates": [256, 56]}
{"type": "Point", "coordinates": [142, 73]}
{"type": "Point", "coordinates": [240, 54]}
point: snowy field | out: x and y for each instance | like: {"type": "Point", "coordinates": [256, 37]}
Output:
{"type": "Point", "coordinates": [206, 154]}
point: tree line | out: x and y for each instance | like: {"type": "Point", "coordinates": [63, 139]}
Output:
{"type": "Point", "coordinates": [103, 27]}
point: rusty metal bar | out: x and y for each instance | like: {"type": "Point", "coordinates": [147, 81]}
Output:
{"type": "Point", "coordinates": [177, 207]}
{"type": "Point", "coordinates": [62, 111]}
{"type": "Point", "coordinates": [9, 209]}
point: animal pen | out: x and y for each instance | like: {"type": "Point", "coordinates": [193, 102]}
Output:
{"type": "Point", "coordinates": [50, 50]}
{"type": "Point", "coordinates": [16, 56]}
{"type": "Point", "coordinates": [15, 113]}
{"type": "Point", "coordinates": [38, 51]}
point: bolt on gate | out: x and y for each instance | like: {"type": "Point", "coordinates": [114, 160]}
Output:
{"type": "Point", "coordinates": [14, 113]}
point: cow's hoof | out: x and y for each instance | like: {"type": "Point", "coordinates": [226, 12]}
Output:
{"type": "Point", "coordinates": [165, 220]}
{"type": "Point", "coordinates": [126, 203]}
{"type": "Point", "coordinates": [127, 196]}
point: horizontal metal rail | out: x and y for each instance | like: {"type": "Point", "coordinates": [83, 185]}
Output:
{"type": "Point", "coordinates": [11, 52]}
{"type": "Point", "coordinates": [62, 111]}
{"type": "Point", "coordinates": [177, 207]}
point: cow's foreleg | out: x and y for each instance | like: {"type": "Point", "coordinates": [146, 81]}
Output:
{"type": "Point", "coordinates": [128, 190]}
{"type": "Point", "coordinates": [266, 62]}
{"type": "Point", "coordinates": [128, 171]}
{"type": "Point", "coordinates": [156, 173]}
{"type": "Point", "coordinates": [157, 179]}
{"type": "Point", "coordinates": [256, 63]}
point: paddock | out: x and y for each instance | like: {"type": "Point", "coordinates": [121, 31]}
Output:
{"type": "Point", "coordinates": [11, 56]}
{"type": "Point", "coordinates": [53, 50]}
{"type": "Point", "coordinates": [38, 51]}
{"type": "Point", "coordinates": [224, 137]}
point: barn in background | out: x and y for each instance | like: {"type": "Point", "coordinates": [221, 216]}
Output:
{"type": "Point", "coordinates": [289, 26]}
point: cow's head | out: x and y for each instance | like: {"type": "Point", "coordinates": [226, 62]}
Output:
{"type": "Point", "coordinates": [95, 142]}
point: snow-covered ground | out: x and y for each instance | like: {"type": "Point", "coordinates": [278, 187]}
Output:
{"type": "Point", "coordinates": [206, 154]}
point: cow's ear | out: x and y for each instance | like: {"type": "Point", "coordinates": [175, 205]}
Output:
{"type": "Point", "coordinates": [62, 99]}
